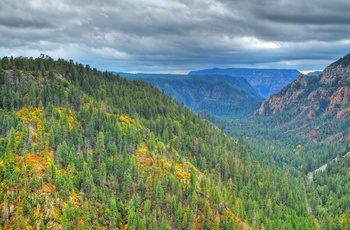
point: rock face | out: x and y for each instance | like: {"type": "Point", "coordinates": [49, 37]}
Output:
{"type": "Point", "coordinates": [277, 102]}
{"type": "Point", "coordinates": [314, 95]}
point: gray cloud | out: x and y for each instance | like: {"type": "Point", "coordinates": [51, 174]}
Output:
{"type": "Point", "coordinates": [178, 35]}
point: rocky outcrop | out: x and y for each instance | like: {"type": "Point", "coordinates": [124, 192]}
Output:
{"type": "Point", "coordinates": [314, 96]}
{"type": "Point", "coordinates": [290, 94]}
{"type": "Point", "coordinates": [341, 97]}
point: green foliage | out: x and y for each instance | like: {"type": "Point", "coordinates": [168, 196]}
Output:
{"type": "Point", "coordinates": [92, 150]}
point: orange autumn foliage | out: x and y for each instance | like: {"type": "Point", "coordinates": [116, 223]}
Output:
{"type": "Point", "coordinates": [31, 115]}
{"type": "Point", "coordinates": [197, 223]}
{"type": "Point", "coordinates": [183, 175]}
{"type": "Point", "coordinates": [70, 122]}
{"type": "Point", "coordinates": [147, 161]}
{"type": "Point", "coordinates": [38, 161]}
{"type": "Point", "coordinates": [47, 187]}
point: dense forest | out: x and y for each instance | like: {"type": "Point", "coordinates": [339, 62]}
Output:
{"type": "Point", "coordinates": [85, 149]}
{"type": "Point", "coordinates": [327, 191]}
{"type": "Point", "coordinates": [290, 150]}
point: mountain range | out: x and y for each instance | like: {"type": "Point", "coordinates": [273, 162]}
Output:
{"type": "Point", "coordinates": [220, 95]}
{"type": "Point", "coordinates": [226, 93]}
{"type": "Point", "coordinates": [265, 81]}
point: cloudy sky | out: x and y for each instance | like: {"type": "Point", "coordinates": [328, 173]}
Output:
{"type": "Point", "coordinates": [178, 35]}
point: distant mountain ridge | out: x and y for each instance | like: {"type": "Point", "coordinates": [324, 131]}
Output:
{"type": "Point", "coordinates": [223, 96]}
{"type": "Point", "coordinates": [265, 81]}
{"type": "Point", "coordinates": [317, 72]}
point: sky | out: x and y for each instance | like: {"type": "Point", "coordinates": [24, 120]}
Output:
{"type": "Point", "coordinates": [176, 36]}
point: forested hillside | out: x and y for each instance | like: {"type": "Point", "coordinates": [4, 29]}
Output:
{"type": "Point", "coordinates": [85, 149]}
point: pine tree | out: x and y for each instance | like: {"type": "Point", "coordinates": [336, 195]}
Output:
{"type": "Point", "coordinates": [99, 153]}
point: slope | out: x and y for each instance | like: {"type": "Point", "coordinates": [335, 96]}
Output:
{"type": "Point", "coordinates": [84, 149]}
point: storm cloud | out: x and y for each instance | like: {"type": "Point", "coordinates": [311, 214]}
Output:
{"type": "Point", "coordinates": [178, 35]}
